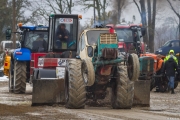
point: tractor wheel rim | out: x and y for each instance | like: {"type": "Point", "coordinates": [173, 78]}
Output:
{"type": "Point", "coordinates": [85, 74]}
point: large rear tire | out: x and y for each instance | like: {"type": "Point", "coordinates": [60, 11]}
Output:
{"type": "Point", "coordinates": [19, 77]}
{"type": "Point", "coordinates": [122, 90]}
{"type": "Point", "coordinates": [133, 67]}
{"type": "Point", "coordinates": [75, 92]}
{"type": "Point", "coordinates": [11, 78]}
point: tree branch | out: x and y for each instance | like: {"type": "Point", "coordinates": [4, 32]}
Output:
{"type": "Point", "coordinates": [173, 9]}
{"type": "Point", "coordinates": [137, 6]}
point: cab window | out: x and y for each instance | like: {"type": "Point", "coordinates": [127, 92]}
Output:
{"type": "Point", "coordinates": [175, 44]}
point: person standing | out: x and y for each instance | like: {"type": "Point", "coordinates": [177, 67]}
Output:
{"type": "Point", "coordinates": [170, 68]}
{"type": "Point", "coordinates": [159, 71]}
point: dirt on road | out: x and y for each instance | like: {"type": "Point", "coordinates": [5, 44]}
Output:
{"type": "Point", "coordinates": [163, 106]}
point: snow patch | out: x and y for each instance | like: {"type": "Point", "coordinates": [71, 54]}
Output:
{"type": "Point", "coordinates": [4, 78]}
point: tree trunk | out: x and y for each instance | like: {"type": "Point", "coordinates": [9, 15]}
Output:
{"type": "Point", "coordinates": [98, 10]}
{"type": "Point", "coordinates": [153, 25]}
{"type": "Point", "coordinates": [143, 18]}
{"type": "Point", "coordinates": [119, 12]}
{"type": "Point", "coordinates": [149, 23]}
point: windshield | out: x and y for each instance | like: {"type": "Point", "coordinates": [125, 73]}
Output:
{"type": "Point", "coordinates": [93, 36]}
{"type": "Point", "coordinates": [36, 40]}
{"type": "Point", "coordinates": [124, 35]}
{"type": "Point", "coordinates": [167, 43]}
{"type": "Point", "coordinates": [65, 33]}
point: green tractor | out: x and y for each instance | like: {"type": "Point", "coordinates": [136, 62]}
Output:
{"type": "Point", "coordinates": [97, 68]}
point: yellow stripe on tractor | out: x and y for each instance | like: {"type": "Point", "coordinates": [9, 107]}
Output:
{"type": "Point", "coordinates": [7, 62]}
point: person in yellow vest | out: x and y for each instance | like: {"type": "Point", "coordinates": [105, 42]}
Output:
{"type": "Point", "coordinates": [171, 68]}
{"type": "Point", "coordinates": [171, 54]}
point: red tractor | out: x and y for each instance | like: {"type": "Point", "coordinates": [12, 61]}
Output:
{"type": "Point", "coordinates": [129, 37]}
{"type": "Point", "coordinates": [47, 73]}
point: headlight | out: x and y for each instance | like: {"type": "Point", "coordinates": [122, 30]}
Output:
{"type": "Point", "coordinates": [160, 50]}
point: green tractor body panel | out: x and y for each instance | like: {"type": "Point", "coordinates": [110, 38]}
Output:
{"type": "Point", "coordinates": [105, 42]}
{"type": "Point", "coordinates": [102, 46]}
{"type": "Point", "coordinates": [146, 67]}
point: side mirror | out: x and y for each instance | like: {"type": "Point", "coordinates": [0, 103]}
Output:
{"type": "Point", "coordinates": [90, 51]}
{"type": "Point", "coordinates": [18, 46]}
{"type": "Point", "coordinates": [8, 34]}
{"type": "Point", "coordinates": [143, 31]}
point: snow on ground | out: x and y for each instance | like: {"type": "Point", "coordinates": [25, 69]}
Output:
{"type": "Point", "coordinates": [4, 78]}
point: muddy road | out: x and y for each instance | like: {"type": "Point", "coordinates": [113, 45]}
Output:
{"type": "Point", "coordinates": [164, 106]}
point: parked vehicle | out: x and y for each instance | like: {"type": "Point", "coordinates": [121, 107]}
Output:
{"type": "Point", "coordinates": [169, 45]}
{"type": "Point", "coordinates": [19, 59]}
{"type": "Point", "coordinates": [130, 43]}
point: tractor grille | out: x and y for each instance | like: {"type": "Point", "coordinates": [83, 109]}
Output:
{"type": "Point", "coordinates": [107, 38]}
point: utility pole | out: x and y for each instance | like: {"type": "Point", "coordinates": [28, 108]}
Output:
{"type": "Point", "coordinates": [13, 26]}
{"type": "Point", "coordinates": [94, 14]}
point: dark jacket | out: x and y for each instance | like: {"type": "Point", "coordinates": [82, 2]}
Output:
{"type": "Point", "coordinates": [63, 33]}
{"type": "Point", "coordinates": [170, 67]}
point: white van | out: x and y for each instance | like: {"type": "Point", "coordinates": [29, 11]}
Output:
{"type": "Point", "coordinates": [8, 45]}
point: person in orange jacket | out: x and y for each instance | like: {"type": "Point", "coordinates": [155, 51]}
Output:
{"type": "Point", "coordinates": [159, 71]}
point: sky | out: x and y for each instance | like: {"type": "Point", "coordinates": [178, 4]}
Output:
{"type": "Point", "coordinates": [90, 13]}
{"type": "Point", "coordinates": [127, 14]}
{"type": "Point", "coordinates": [163, 11]}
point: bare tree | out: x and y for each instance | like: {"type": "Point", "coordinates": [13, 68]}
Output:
{"type": "Point", "coordinates": [177, 14]}
{"type": "Point", "coordinates": [142, 12]}
{"type": "Point", "coordinates": [6, 12]}
{"type": "Point", "coordinates": [151, 40]}
{"type": "Point", "coordinates": [118, 6]}
{"type": "Point", "coordinates": [43, 10]}
{"type": "Point", "coordinates": [100, 7]}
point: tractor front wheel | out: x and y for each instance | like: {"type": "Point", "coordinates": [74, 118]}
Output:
{"type": "Point", "coordinates": [122, 90]}
{"type": "Point", "coordinates": [133, 67]}
{"type": "Point", "coordinates": [75, 92]}
{"type": "Point", "coordinates": [19, 77]}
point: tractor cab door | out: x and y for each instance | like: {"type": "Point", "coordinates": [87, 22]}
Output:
{"type": "Point", "coordinates": [63, 33]}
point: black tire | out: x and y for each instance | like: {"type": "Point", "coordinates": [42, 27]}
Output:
{"type": "Point", "coordinates": [163, 86]}
{"type": "Point", "coordinates": [19, 77]}
{"type": "Point", "coordinates": [75, 92]}
{"type": "Point", "coordinates": [133, 67]}
{"type": "Point", "coordinates": [153, 84]}
{"type": "Point", "coordinates": [88, 73]}
{"type": "Point", "coordinates": [122, 90]}
{"type": "Point", "coordinates": [11, 78]}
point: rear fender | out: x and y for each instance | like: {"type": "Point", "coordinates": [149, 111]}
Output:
{"type": "Point", "coordinates": [22, 54]}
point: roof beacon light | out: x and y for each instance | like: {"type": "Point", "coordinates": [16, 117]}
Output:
{"type": "Point", "coordinates": [20, 24]}
{"type": "Point", "coordinates": [111, 30]}
{"type": "Point", "coordinates": [140, 25]}
{"type": "Point", "coordinates": [80, 16]}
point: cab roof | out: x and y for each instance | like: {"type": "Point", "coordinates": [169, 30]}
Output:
{"type": "Point", "coordinates": [123, 25]}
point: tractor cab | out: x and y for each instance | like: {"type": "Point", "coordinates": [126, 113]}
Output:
{"type": "Point", "coordinates": [63, 33]}
{"type": "Point", "coordinates": [34, 38]}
